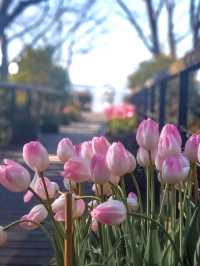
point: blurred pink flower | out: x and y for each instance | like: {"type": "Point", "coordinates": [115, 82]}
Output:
{"type": "Point", "coordinates": [36, 156]}
{"type": "Point", "coordinates": [191, 148]}
{"type": "Point", "coordinates": [77, 169]}
{"type": "Point", "coordinates": [65, 150]}
{"type": "Point", "coordinates": [100, 145]}
{"type": "Point", "coordinates": [132, 202]}
{"type": "Point", "coordinates": [99, 170]}
{"type": "Point", "coordinates": [110, 212]}
{"type": "Point", "coordinates": [148, 134]}
{"type": "Point", "coordinates": [14, 177]}
{"type": "Point", "coordinates": [86, 150]}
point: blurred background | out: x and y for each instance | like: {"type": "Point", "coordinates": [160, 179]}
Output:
{"type": "Point", "coordinates": [59, 58]}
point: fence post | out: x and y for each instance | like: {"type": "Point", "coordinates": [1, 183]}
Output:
{"type": "Point", "coordinates": [163, 86]}
{"type": "Point", "coordinates": [183, 99]}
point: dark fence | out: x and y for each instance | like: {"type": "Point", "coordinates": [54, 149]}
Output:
{"type": "Point", "coordinates": [168, 98]}
{"type": "Point", "coordinates": [25, 110]}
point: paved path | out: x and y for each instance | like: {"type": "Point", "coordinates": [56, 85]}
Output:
{"type": "Point", "coordinates": [31, 248]}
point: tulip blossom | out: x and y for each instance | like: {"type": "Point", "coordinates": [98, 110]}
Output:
{"type": "Point", "coordinates": [14, 177]}
{"type": "Point", "coordinates": [37, 215]}
{"type": "Point", "coordinates": [36, 156]}
{"type": "Point", "coordinates": [65, 150]}
{"type": "Point", "coordinates": [86, 150]}
{"type": "Point", "coordinates": [99, 170]}
{"type": "Point", "coordinates": [170, 129]}
{"type": "Point", "coordinates": [159, 161]}
{"type": "Point", "coordinates": [132, 202]}
{"type": "Point", "coordinates": [38, 186]}
{"type": "Point", "coordinates": [175, 169]}
{"type": "Point", "coordinates": [191, 148]}
{"type": "Point", "coordinates": [168, 145]}
{"type": "Point", "coordinates": [100, 145]}
{"type": "Point", "coordinates": [132, 163]}
{"type": "Point", "coordinates": [77, 169]}
{"type": "Point", "coordinates": [110, 212]}
{"type": "Point", "coordinates": [94, 225]}
{"type": "Point", "coordinates": [3, 236]}
{"type": "Point", "coordinates": [143, 157]}
{"type": "Point", "coordinates": [118, 159]}
{"type": "Point", "coordinates": [148, 134]}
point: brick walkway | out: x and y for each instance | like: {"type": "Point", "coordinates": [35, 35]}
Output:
{"type": "Point", "coordinates": [31, 248]}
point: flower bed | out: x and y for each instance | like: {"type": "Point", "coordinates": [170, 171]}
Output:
{"type": "Point", "coordinates": [111, 227]}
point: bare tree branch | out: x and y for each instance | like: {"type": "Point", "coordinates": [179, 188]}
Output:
{"type": "Point", "coordinates": [133, 21]}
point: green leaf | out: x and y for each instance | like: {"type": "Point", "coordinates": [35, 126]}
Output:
{"type": "Point", "coordinates": [197, 254]}
{"type": "Point", "coordinates": [153, 254]}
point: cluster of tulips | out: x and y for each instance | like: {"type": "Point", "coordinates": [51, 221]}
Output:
{"type": "Point", "coordinates": [122, 117]}
{"type": "Point", "coordinates": [109, 227]}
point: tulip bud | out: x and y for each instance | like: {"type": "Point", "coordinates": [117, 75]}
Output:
{"type": "Point", "coordinates": [170, 129]}
{"type": "Point", "coordinates": [94, 225]}
{"type": "Point", "coordinates": [86, 150]}
{"type": "Point", "coordinates": [143, 157]}
{"type": "Point", "coordinates": [191, 148]}
{"type": "Point", "coordinates": [37, 214]}
{"type": "Point", "coordinates": [36, 156]}
{"type": "Point", "coordinates": [132, 163]}
{"type": "Point", "coordinates": [79, 208]}
{"type": "Point", "coordinates": [175, 169]}
{"type": "Point", "coordinates": [132, 202]}
{"type": "Point", "coordinates": [158, 162]}
{"type": "Point", "coordinates": [65, 150]}
{"type": "Point", "coordinates": [3, 236]}
{"type": "Point", "coordinates": [110, 212]}
{"type": "Point", "coordinates": [77, 170]}
{"type": "Point", "coordinates": [99, 170]}
{"type": "Point", "coordinates": [100, 145]}
{"type": "Point", "coordinates": [148, 134]}
{"type": "Point", "coordinates": [14, 177]}
{"type": "Point", "coordinates": [168, 145]}
{"type": "Point", "coordinates": [59, 203]}
{"type": "Point", "coordinates": [118, 159]}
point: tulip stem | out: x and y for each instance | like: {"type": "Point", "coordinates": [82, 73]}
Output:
{"type": "Point", "coordinates": [180, 219]}
{"type": "Point", "coordinates": [148, 194]}
{"type": "Point", "coordinates": [162, 202]}
{"type": "Point", "coordinates": [68, 230]}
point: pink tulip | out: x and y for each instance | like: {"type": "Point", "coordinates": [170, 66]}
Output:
{"type": "Point", "coordinates": [79, 208]}
{"type": "Point", "coordinates": [58, 207]}
{"type": "Point", "coordinates": [143, 157]}
{"type": "Point", "coordinates": [94, 225]}
{"type": "Point", "coordinates": [175, 169]}
{"type": "Point", "coordinates": [100, 145]}
{"type": "Point", "coordinates": [86, 150]}
{"type": "Point", "coordinates": [132, 163]}
{"type": "Point", "coordinates": [191, 148]}
{"type": "Point", "coordinates": [114, 179]}
{"type": "Point", "coordinates": [107, 189]}
{"type": "Point", "coordinates": [99, 170]}
{"type": "Point", "coordinates": [159, 161]}
{"type": "Point", "coordinates": [168, 145]}
{"type": "Point", "coordinates": [170, 129]}
{"type": "Point", "coordinates": [77, 170]}
{"type": "Point", "coordinates": [14, 177]}
{"type": "Point", "coordinates": [118, 159]}
{"type": "Point", "coordinates": [110, 212]}
{"type": "Point", "coordinates": [3, 236]}
{"type": "Point", "coordinates": [38, 187]}
{"type": "Point", "coordinates": [148, 134]}
{"type": "Point", "coordinates": [198, 154]}
{"type": "Point", "coordinates": [36, 156]}
{"type": "Point", "coordinates": [132, 202]}
{"type": "Point", "coordinates": [65, 150]}
{"type": "Point", "coordinates": [37, 215]}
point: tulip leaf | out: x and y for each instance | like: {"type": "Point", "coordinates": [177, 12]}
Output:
{"type": "Point", "coordinates": [197, 254]}
{"type": "Point", "coordinates": [153, 255]}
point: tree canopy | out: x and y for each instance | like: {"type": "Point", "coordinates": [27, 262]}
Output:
{"type": "Point", "coordinates": [36, 67]}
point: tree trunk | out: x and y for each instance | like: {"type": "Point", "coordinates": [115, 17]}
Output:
{"type": "Point", "coordinates": [154, 27]}
{"type": "Point", "coordinates": [4, 57]}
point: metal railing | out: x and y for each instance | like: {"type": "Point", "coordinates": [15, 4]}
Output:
{"type": "Point", "coordinates": [23, 109]}
{"type": "Point", "coordinates": [154, 100]}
